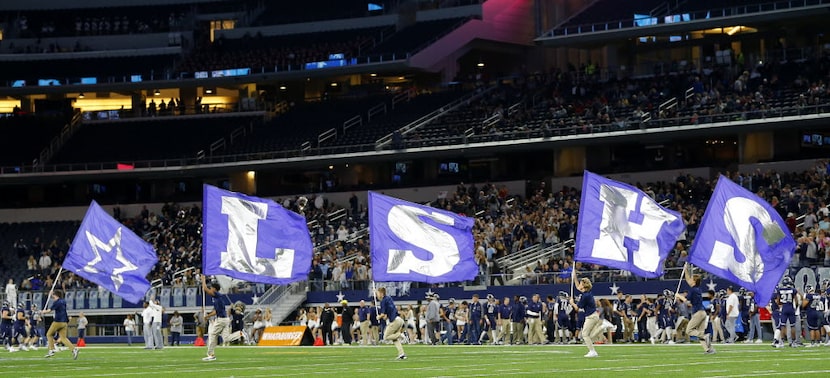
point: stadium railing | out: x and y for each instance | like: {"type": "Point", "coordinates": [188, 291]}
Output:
{"type": "Point", "coordinates": [740, 10]}
{"type": "Point", "coordinates": [572, 132]}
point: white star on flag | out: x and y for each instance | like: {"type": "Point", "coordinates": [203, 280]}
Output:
{"type": "Point", "coordinates": [340, 297]}
{"type": "Point", "coordinates": [614, 288]}
{"type": "Point", "coordinates": [114, 243]}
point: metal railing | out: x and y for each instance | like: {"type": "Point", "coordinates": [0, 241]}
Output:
{"type": "Point", "coordinates": [739, 10]}
{"type": "Point", "coordinates": [306, 150]}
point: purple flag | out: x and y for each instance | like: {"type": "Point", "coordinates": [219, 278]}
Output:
{"type": "Point", "coordinates": [109, 254]}
{"type": "Point", "coordinates": [412, 242]}
{"type": "Point", "coordinates": [621, 227]}
{"type": "Point", "coordinates": [744, 240]}
{"type": "Point", "coordinates": [253, 239]}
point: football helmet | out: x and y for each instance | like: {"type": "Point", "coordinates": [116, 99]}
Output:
{"type": "Point", "coordinates": [809, 289]}
{"type": "Point", "coordinates": [787, 282]}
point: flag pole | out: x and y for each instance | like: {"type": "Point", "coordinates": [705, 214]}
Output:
{"type": "Point", "coordinates": [573, 278]}
{"type": "Point", "coordinates": [375, 298]}
{"type": "Point", "coordinates": [57, 277]}
{"type": "Point", "coordinates": [682, 276]}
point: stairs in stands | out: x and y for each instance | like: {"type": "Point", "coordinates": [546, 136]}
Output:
{"type": "Point", "coordinates": [283, 300]}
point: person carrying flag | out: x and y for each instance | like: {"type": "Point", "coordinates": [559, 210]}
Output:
{"type": "Point", "coordinates": [697, 324]}
{"type": "Point", "coordinates": [59, 325]}
{"type": "Point", "coordinates": [593, 324]}
{"type": "Point", "coordinates": [219, 325]}
{"type": "Point", "coordinates": [394, 326]}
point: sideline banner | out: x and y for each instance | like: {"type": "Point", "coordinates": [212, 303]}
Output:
{"type": "Point", "coordinates": [286, 336]}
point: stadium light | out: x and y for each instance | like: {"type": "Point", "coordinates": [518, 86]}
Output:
{"type": "Point", "coordinates": [282, 87]}
{"type": "Point", "coordinates": [480, 64]}
{"type": "Point", "coordinates": [157, 92]}
{"type": "Point", "coordinates": [208, 90]}
{"type": "Point", "coordinates": [373, 74]}
{"type": "Point", "coordinates": [81, 95]}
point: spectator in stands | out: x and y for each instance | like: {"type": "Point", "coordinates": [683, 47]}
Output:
{"type": "Point", "coordinates": [45, 263]}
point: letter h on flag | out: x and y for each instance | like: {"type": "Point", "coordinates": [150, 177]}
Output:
{"type": "Point", "coordinates": [253, 239]}
{"type": "Point", "coordinates": [412, 242]}
{"type": "Point", "coordinates": [621, 227]}
{"type": "Point", "coordinates": [110, 255]}
{"type": "Point", "coordinates": [744, 240]}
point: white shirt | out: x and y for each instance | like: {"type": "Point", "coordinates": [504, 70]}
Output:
{"type": "Point", "coordinates": [147, 315]}
{"type": "Point", "coordinates": [82, 322]}
{"type": "Point", "coordinates": [129, 325]}
{"type": "Point", "coordinates": [155, 311]}
{"type": "Point", "coordinates": [732, 300]}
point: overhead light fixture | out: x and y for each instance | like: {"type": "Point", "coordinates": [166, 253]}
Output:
{"type": "Point", "coordinates": [480, 64]}
{"type": "Point", "coordinates": [282, 87]}
{"type": "Point", "coordinates": [209, 90]}
{"type": "Point", "coordinates": [333, 84]}
{"type": "Point", "coordinates": [157, 92]}
{"type": "Point", "coordinates": [81, 95]}
{"type": "Point", "coordinates": [373, 74]}
{"type": "Point", "coordinates": [401, 78]}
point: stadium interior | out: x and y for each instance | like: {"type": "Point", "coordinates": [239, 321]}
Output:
{"type": "Point", "coordinates": [490, 108]}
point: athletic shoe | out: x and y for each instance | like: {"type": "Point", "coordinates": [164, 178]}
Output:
{"type": "Point", "coordinates": [209, 358]}
{"type": "Point", "coordinates": [24, 348]}
{"type": "Point", "coordinates": [759, 341]}
{"type": "Point", "coordinates": [33, 347]}
{"type": "Point", "coordinates": [75, 353]}
{"type": "Point", "coordinates": [592, 353]}
{"type": "Point", "coordinates": [13, 349]}
{"type": "Point", "coordinates": [402, 357]}
{"type": "Point", "coordinates": [671, 342]}
{"type": "Point", "coordinates": [652, 340]}
{"type": "Point", "coordinates": [50, 354]}
{"type": "Point", "coordinates": [709, 351]}
{"type": "Point", "coordinates": [747, 341]}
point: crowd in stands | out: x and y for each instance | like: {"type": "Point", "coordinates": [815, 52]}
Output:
{"type": "Point", "coordinates": [505, 223]}
{"type": "Point", "coordinates": [92, 23]}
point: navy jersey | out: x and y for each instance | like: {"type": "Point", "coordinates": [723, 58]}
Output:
{"type": "Point", "coordinates": [587, 303]}
{"type": "Point", "coordinates": [387, 306]}
{"type": "Point", "coordinates": [6, 311]}
{"type": "Point", "coordinates": [506, 311]}
{"type": "Point", "coordinates": [20, 318]}
{"type": "Point", "coordinates": [476, 310]}
{"type": "Point", "coordinates": [518, 312]}
{"type": "Point", "coordinates": [59, 308]}
{"type": "Point", "coordinates": [535, 308]}
{"type": "Point", "coordinates": [722, 308]}
{"type": "Point", "coordinates": [219, 305]}
{"type": "Point", "coordinates": [663, 304]}
{"type": "Point", "coordinates": [815, 304]}
{"type": "Point", "coordinates": [786, 297]}
{"type": "Point", "coordinates": [696, 299]}
{"type": "Point", "coordinates": [491, 310]}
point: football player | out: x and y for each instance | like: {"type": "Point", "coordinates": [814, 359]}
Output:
{"type": "Point", "coordinates": [19, 330]}
{"type": "Point", "coordinates": [786, 297]}
{"type": "Point", "coordinates": [814, 305]}
{"type": "Point", "coordinates": [6, 319]}
{"type": "Point", "coordinates": [563, 317]}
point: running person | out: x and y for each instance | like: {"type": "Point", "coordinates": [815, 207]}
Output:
{"type": "Point", "coordinates": [593, 324]}
{"type": "Point", "coordinates": [59, 325]}
{"type": "Point", "coordinates": [220, 324]}
{"type": "Point", "coordinates": [699, 321]}
{"type": "Point", "coordinates": [394, 325]}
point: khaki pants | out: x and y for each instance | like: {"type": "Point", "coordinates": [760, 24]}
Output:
{"type": "Point", "coordinates": [697, 325]}
{"type": "Point", "coordinates": [218, 326]}
{"type": "Point", "coordinates": [681, 329]}
{"type": "Point", "coordinates": [393, 333]}
{"type": "Point", "coordinates": [592, 328]}
{"type": "Point", "coordinates": [518, 332]}
{"type": "Point", "coordinates": [374, 331]}
{"type": "Point", "coordinates": [364, 332]}
{"type": "Point", "coordinates": [534, 334]}
{"type": "Point", "coordinates": [60, 329]}
{"type": "Point", "coordinates": [628, 333]}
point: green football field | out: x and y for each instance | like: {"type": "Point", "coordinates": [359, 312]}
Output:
{"type": "Point", "coordinates": [426, 361]}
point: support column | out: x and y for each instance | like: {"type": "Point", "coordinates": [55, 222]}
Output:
{"type": "Point", "coordinates": [243, 182]}
{"type": "Point", "coordinates": [569, 161]}
{"type": "Point", "coordinates": [755, 147]}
